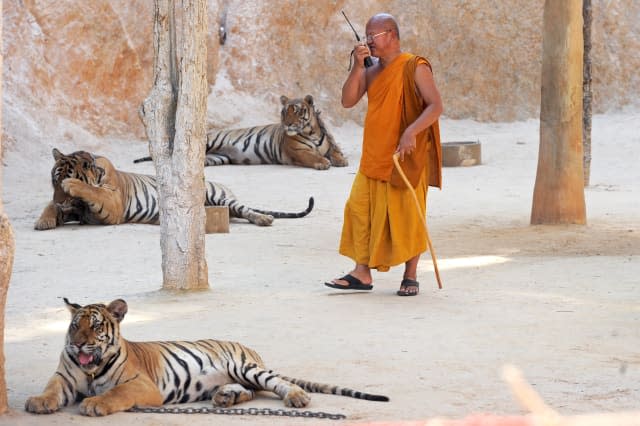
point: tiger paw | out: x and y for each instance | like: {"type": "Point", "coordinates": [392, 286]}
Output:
{"type": "Point", "coordinates": [230, 394]}
{"type": "Point", "coordinates": [45, 223]}
{"type": "Point", "coordinates": [261, 219]}
{"type": "Point", "coordinates": [72, 186]}
{"type": "Point", "coordinates": [224, 399]}
{"type": "Point", "coordinates": [42, 404]}
{"type": "Point", "coordinates": [48, 218]}
{"type": "Point", "coordinates": [322, 164]}
{"type": "Point", "coordinates": [339, 161]}
{"type": "Point", "coordinates": [97, 406]}
{"type": "Point", "coordinates": [296, 397]}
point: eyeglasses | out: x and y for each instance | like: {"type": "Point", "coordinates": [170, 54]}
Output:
{"type": "Point", "coordinates": [370, 38]}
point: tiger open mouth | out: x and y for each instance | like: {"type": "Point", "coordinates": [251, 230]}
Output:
{"type": "Point", "coordinates": [87, 360]}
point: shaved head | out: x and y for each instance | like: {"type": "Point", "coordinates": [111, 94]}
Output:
{"type": "Point", "coordinates": [385, 19]}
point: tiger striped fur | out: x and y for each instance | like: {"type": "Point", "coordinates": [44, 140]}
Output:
{"type": "Point", "coordinates": [88, 189]}
{"type": "Point", "coordinates": [114, 374]}
{"type": "Point", "coordinates": [301, 139]}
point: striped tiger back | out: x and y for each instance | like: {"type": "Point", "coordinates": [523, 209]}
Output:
{"type": "Point", "coordinates": [140, 195]}
{"type": "Point", "coordinates": [117, 374]}
{"type": "Point", "coordinates": [253, 145]}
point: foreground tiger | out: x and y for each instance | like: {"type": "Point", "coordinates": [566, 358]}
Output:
{"type": "Point", "coordinates": [300, 139]}
{"type": "Point", "coordinates": [116, 375]}
{"type": "Point", "coordinates": [88, 189]}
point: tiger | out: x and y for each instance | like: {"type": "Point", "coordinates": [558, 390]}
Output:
{"type": "Point", "coordinates": [300, 139]}
{"type": "Point", "coordinates": [113, 374]}
{"type": "Point", "coordinates": [88, 189]}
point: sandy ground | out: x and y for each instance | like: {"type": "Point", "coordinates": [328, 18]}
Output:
{"type": "Point", "coordinates": [560, 302]}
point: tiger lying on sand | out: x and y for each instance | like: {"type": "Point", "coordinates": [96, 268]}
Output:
{"type": "Point", "coordinates": [88, 189]}
{"type": "Point", "coordinates": [116, 374]}
{"type": "Point", "coordinates": [300, 139]}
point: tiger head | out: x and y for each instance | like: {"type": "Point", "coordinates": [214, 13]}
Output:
{"type": "Point", "coordinates": [299, 116]}
{"type": "Point", "coordinates": [93, 337]}
{"type": "Point", "coordinates": [80, 165]}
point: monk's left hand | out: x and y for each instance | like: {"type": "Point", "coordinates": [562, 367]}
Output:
{"type": "Point", "coordinates": [407, 144]}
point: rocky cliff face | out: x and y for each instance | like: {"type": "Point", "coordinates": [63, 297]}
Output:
{"type": "Point", "coordinates": [87, 65]}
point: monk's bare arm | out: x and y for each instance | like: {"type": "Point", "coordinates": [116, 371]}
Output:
{"type": "Point", "coordinates": [429, 92]}
{"type": "Point", "coordinates": [356, 85]}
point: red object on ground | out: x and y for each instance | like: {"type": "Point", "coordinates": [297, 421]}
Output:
{"type": "Point", "coordinates": [473, 420]}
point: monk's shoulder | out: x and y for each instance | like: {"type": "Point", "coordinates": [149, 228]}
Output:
{"type": "Point", "coordinates": [422, 61]}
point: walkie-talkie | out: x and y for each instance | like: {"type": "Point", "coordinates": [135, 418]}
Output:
{"type": "Point", "coordinates": [367, 61]}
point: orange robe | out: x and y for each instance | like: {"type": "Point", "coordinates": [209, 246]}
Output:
{"type": "Point", "coordinates": [393, 105]}
{"type": "Point", "coordinates": [382, 227]}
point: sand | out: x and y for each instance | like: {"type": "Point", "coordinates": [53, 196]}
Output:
{"type": "Point", "coordinates": [560, 302]}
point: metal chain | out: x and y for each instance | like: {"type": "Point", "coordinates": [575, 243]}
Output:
{"type": "Point", "coordinates": [239, 412]}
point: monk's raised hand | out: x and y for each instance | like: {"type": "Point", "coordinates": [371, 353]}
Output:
{"type": "Point", "coordinates": [360, 52]}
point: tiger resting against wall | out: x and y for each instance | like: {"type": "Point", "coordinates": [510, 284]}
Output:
{"type": "Point", "coordinates": [300, 139]}
{"type": "Point", "coordinates": [88, 189]}
{"type": "Point", "coordinates": [114, 374]}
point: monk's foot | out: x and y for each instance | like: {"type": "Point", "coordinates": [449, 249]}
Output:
{"type": "Point", "coordinates": [364, 279]}
{"type": "Point", "coordinates": [408, 287]}
{"type": "Point", "coordinates": [351, 282]}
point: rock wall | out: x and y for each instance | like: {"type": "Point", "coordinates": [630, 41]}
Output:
{"type": "Point", "coordinates": [88, 64]}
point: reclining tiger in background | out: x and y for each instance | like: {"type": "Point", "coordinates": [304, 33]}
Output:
{"type": "Point", "coordinates": [88, 189]}
{"type": "Point", "coordinates": [119, 374]}
{"type": "Point", "coordinates": [300, 139]}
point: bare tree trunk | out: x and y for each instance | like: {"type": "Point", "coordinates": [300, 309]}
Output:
{"type": "Point", "coordinates": [558, 195]}
{"type": "Point", "coordinates": [7, 249]}
{"type": "Point", "coordinates": [174, 116]}
{"type": "Point", "coordinates": [586, 90]}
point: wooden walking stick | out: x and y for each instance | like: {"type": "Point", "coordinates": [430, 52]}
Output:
{"type": "Point", "coordinates": [422, 216]}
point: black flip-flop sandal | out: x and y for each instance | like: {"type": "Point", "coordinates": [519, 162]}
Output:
{"type": "Point", "coordinates": [406, 283]}
{"type": "Point", "coordinates": [354, 284]}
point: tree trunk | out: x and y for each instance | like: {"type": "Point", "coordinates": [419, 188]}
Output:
{"type": "Point", "coordinates": [174, 116]}
{"type": "Point", "coordinates": [7, 249]}
{"type": "Point", "coordinates": [586, 90]}
{"type": "Point", "coordinates": [558, 195]}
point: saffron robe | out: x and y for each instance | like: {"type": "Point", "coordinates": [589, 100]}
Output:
{"type": "Point", "coordinates": [394, 103]}
{"type": "Point", "coordinates": [382, 227]}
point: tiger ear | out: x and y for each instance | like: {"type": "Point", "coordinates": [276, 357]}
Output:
{"type": "Point", "coordinates": [118, 309]}
{"type": "Point", "coordinates": [99, 174]}
{"type": "Point", "coordinates": [309, 99]}
{"type": "Point", "coordinates": [73, 307]}
{"type": "Point", "coordinates": [284, 100]}
{"type": "Point", "coordinates": [56, 154]}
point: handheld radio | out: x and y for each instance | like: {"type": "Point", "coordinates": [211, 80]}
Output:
{"type": "Point", "coordinates": [367, 61]}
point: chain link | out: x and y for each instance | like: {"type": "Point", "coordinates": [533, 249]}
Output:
{"type": "Point", "coordinates": [238, 412]}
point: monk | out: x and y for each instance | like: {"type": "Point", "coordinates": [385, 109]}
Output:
{"type": "Point", "coordinates": [382, 226]}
